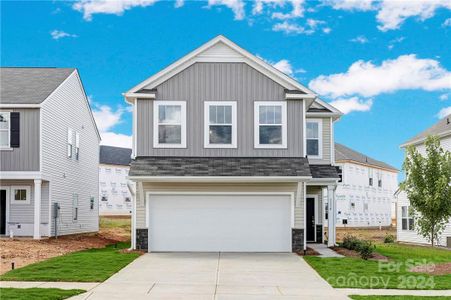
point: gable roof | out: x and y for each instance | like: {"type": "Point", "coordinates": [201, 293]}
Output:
{"type": "Point", "coordinates": [30, 85]}
{"type": "Point", "coordinates": [220, 49]}
{"type": "Point", "coordinates": [343, 153]}
{"type": "Point", "coordinates": [441, 128]}
{"type": "Point", "coordinates": [115, 155]}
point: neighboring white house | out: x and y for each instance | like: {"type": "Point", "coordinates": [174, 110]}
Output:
{"type": "Point", "coordinates": [49, 154]}
{"type": "Point", "coordinates": [406, 224]}
{"type": "Point", "coordinates": [365, 195]}
{"type": "Point", "coordinates": [114, 195]}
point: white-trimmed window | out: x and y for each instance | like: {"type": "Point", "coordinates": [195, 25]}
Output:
{"type": "Point", "coordinates": [20, 194]}
{"type": "Point", "coordinates": [169, 128]}
{"type": "Point", "coordinates": [407, 218]}
{"type": "Point", "coordinates": [5, 128]}
{"type": "Point", "coordinates": [69, 142]}
{"type": "Point", "coordinates": [220, 124]}
{"type": "Point", "coordinates": [270, 124]}
{"type": "Point", "coordinates": [314, 129]}
{"type": "Point", "coordinates": [74, 207]}
{"type": "Point", "coordinates": [77, 145]}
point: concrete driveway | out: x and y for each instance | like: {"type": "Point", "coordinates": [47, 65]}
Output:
{"type": "Point", "coordinates": [215, 276]}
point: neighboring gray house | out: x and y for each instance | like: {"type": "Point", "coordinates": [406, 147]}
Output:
{"type": "Point", "coordinates": [230, 154]}
{"type": "Point", "coordinates": [49, 154]}
{"type": "Point", "coordinates": [114, 195]}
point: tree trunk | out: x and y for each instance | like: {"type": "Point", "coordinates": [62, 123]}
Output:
{"type": "Point", "coordinates": [432, 236]}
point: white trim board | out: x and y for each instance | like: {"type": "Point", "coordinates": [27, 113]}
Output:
{"type": "Point", "coordinates": [219, 178]}
{"type": "Point", "coordinates": [207, 124]}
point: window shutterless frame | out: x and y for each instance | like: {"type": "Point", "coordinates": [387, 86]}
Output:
{"type": "Point", "coordinates": [220, 121]}
{"type": "Point", "coordinates": [319, 123]}
{"type": "Point", "coordinates": [259, 124]}
{"type": "Point", "coordinates": [156, 124]}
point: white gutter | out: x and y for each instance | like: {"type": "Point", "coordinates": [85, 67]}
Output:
{"type": "Point", "coordinates": [219, 178]}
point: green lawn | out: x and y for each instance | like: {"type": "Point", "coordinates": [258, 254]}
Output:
{"type": "Point", "coordinates": [358, 273]}
{"type": "Point", "coordinates": [93, 265]}
{"type": "Point", "coordinates": [37, 294]}
{"type": "Point", "coordinates": [359, 297]}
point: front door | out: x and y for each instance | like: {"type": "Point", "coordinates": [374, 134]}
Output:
{"type": "Point", "coordinates": [2, 211]}
{"type": "Point", "coordinates": [310, 219]}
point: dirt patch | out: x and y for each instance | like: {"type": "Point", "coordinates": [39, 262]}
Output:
{"type": "Point", "coordinates": [353, 253]}
{"type": "Point", "coordinates": [371, 234]}
{"type": "Point", "coordinates": [308, 252]}
{"type": "Point", "coordinates": [23, 252]}
{"type": "Point", "coordinates": [433, 269]}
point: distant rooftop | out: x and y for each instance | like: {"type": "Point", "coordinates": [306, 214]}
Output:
{"type": "Point", "coordinates": [345, 153]}
{"type": "Point", "coordinates": [442, 127]}
{"type": "Point", "coordinates": [115, 155]}
{"type": "Point", "coordinates": [30, 85]}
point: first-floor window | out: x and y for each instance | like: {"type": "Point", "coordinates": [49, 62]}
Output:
{"type": "Point", "coordinates": [313, 135]}
{"type": "Point", "coordinates": [407, 218]}
{"type": "Point", "coordinates": [5, 126]}
{"type": "Point", "coordinates": [75, 207]}
{"type": "Point", "coordinates": [169, 124]}
{"type": "Point", "coordinates": [220, 124]}
{"type": "Point", "coordinates": [270, 124]}
{"type": "Point", "coordinates": [20, 195]}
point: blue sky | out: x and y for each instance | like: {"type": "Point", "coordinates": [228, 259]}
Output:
{"type": "Point", "coordinates": [386, 64]}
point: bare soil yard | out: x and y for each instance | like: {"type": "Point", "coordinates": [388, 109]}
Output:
{"type": "Point", "coordinates": [371, 234]}
{"type": "Point", "coordinates": [26, 251]}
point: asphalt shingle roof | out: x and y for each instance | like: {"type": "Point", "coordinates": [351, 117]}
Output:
{"type": "Point", "coordinates": [441, 127]}
{"type": "Point", "coordinates": [30, 85]}
{"type": "Point", "coordinates": [345, 153]}
{"type": "Point", "coordinates": [219, 166]}
{"type": "Point", "coordinates": [115, 156]}
{"type": "Point", "coordinates": [324, 171]}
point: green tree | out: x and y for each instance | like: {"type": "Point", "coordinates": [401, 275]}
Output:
{"type": "Point", "coordinates": [428, 187]}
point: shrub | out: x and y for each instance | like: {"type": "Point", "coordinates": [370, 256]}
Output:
{"type": "Point", "coordinates": [389, 238]}
{"type": "Point", "coordinates": [366, 249]}
{"type": "Point", "coordinates": [351, 242]}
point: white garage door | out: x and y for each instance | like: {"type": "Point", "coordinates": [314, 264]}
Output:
{"type": "Point", "coordinates": [235, 223]}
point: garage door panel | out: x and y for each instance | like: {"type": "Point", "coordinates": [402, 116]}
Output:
{"type": "Point", "coordinates": [257, 223]}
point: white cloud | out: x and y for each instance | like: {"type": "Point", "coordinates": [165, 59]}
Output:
{"type": "Point", "coordinates": [296, 12]}
{"type": "Point", "coordinates": [310, 27]}
{"type": "Point", "coordinates": [284, 66]}
{"type": "Point", "coordinates": [447, 23]}
{"type": "Point", "coordinates": [59, 34]}
{"type": "Point", "coordinates": [361, 39]}
{"type": "Point", "coordinates": [392, 43]}
{"type": "Point", "coordinates": [297, 8]}
{"type": "Point", "coordinates": [358, 5]}
{"type": "Point", "coordinates": [179, 3]}
{"type": "Point", "coordinates": [352, 104]}
{"type": "Point", "coordinates": [106, 118]}
{"type": "Point", "coordinates": [443, 97]}
{"type": "Point", "coordinates": [444, 112]}
{"type": "Point", "coordinates": [407, 72]}
{"type": "Point", "coordinates": [116, 7]}
{"type": "Point", "coordinates": [237, 6]}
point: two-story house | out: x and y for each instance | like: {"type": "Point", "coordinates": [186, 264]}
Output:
{"type": "Point", "coordinates": [365, 195]}
{"type": "Point", "coordinates": [230, 154]}
{"type": "Point", "coordinates": [114, 194]}
{"type": "Point", "coordinates": [49, 154]}
{"type": "Point", "coordinates": [406, 231]}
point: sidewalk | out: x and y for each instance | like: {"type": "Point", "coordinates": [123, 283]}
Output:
{"type": "Point", "coordinates": [41, 284]}
{"type": "Point", "coordinates": [394, 292]}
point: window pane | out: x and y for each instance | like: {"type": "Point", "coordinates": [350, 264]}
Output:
{"type": "Point", "coordinates": [411, 224]}
{"type": "Point", "coordinates": [169, 134]}
{"type": "Point", "coordinates": [277, 114]}
{"type": "Point", "coordinates": [220, 134]}
{"type": "Point", "coordinates": [213, 114]}
{"type": "Point", "coordinates": [312, 147]}
{"type": "Point", "coordinates": [404, 224]}
{"type": "Point", "coordinates": [262, 114]}
{"type": "Point", "coordinates": [220, 114]}
{"type": "Point", "coordinates": [312, 130]}
{"type": "Point", "coordinates": [169, 113]}
{"type": "Point", "coordinates": [271, 135]}
{"type": "Point", "coordinates": [4, 121]}
{"type": "Point", "coordinates": [228, 114]}
{"type": "Point", "coordinates": [20, 195]}
{"type": "Point", "coordinates": [270, 114]}
{"type": "Point", "coordinates": [404, 211]}
{"type": "Point", "coordinates": [4, 136]}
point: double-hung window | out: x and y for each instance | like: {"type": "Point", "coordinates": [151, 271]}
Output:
{"type": "Point", "coordinates": [314, 141]}
{"type": "Point", "coordinates": [5, 127]}
{"type": "Point", "coordinates": [169, 129]}
{"type": "Point", "coordinates": [77, 145]}
{"type": "Point", "coordinates": [220, 124]}
{"type": "Point", "coordinates": [69, 142]}
{"type": "Point", "coordinates": [270, 120]}
{"type": "Point", "coordinates": [407, 218]}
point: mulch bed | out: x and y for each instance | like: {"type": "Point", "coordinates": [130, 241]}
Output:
{"type": "Point", "coordinates": [433, 269]}
{"type": "Point", "coordinates": [353, 253]}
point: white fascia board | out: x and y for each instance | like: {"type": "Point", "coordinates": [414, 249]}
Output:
{"type": "Point", "coordinates": [248, 58]}
{"type": "Point", "coordinates": [323, 181]}
{"type": "Point", "coordinates": [422, 140]}
{"type": "Point", "coordinates": [131, 97]}
{"type": "Point", "coordinates": [219, 178]}
{"type": "Point", "coordinates": [20, 105]}
{"type": "Point", "coordinates": [293, 96]}
{"type": "Point", "coordinates": [17, 175]}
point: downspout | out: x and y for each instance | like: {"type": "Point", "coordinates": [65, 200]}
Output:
{"type": "Point", "coordinates": [132, 188]}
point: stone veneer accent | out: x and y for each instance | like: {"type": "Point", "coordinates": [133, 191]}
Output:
{"type": "Point", "coordinates": [142, 239]}
{"type": "Point", "coordinates": [297, 240]}
{"type": "Point", "coordinates": [319, 233]}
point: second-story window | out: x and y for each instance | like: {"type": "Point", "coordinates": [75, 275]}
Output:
{"type": "Point", "coordinates": [169, 124]}
{"type": "Point", "coordinates": [220, 124]}
{"type": "Point", "coordinates": [69, 142]}
{"type": "Point", "coordinates": [5, 126]}
{"type": "Point", "coordinates": [77, 145]}
{"type": "Point", "coordinates": [270, 124]}
{"type": "Point", "coordinates": [314, 141]}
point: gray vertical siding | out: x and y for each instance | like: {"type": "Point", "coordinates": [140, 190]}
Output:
{"type": "Point", "coordinates": [326, 136]}
{"type": "Point", "coordinates": [66, 108]}
{"type": "Point", "coordinates": [220, 82]}
{"type": "Point", "coordinates": [26, 157]}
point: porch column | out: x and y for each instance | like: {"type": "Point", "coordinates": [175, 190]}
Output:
{"type": "Point", "coordinates": [332, 215]}
{"type": "Point", "coordinates": [37, 209]}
